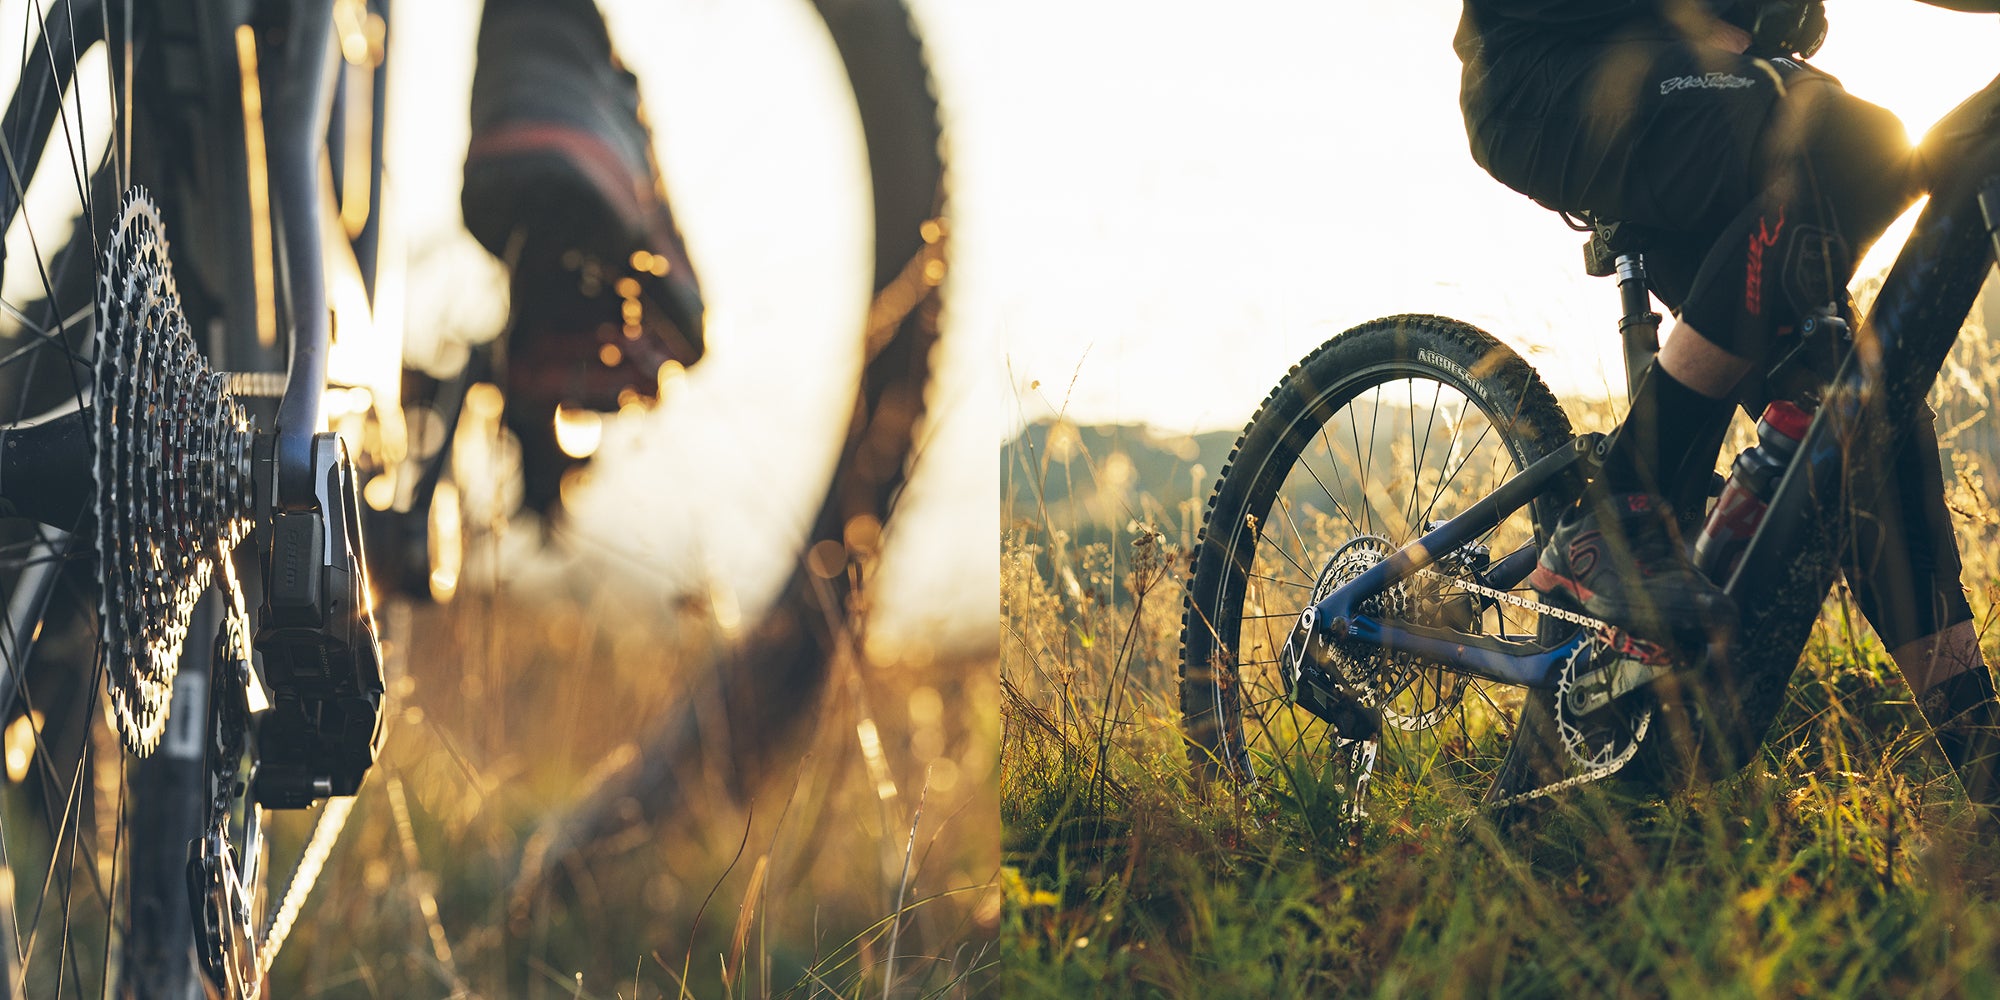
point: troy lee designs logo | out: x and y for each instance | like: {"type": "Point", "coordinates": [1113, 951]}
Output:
{"type": "Point", "coordinates": [1709, 81]}
{"type": "Point", "coordinates": [1753, 278]}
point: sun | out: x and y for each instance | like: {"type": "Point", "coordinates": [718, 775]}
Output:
{"type": "Point", "coordinates": [1919, 62]}
{"type": "Point", "coordinates": [1916, 60]}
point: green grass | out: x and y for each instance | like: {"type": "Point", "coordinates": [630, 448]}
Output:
{"type": "Point", "coordinates": [1834, 865]}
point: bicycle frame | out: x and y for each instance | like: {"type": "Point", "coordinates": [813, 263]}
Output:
{"type": "Point", "coordinates": [1901, 345]}
{"type": "Point", "coordinates": [296, 120]}
{"type": "Point", "coordinates": [1509, 660]}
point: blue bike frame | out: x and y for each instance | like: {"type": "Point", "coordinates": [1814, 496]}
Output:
{"type": "Point", "coordinates": [1519, 661]}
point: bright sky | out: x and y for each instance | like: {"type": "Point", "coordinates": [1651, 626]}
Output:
{"type": "Point", "coordinates": [1171, 203]}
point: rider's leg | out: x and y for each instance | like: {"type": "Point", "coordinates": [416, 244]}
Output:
{"type": "Point", "coordinates": [1955, 691]}
{"type": "Point", "coordinates": [1700, 364]}
{"type": "Point", "coordinates": [1671, 420]}
{"type": "Point", "coordinates": [1616, 130]}
{"type": "Point", "coordinates": [1830, 172]}
{"type": "Point", "coordinates": [1904, 569]}
{"type": "Point", "coordinates": [1680, 412]}
{"type": "Point", "coordinates": [1933, 659]}
{"type": "Point", "coordinates": [1833, 172]}
{"type": "Point", "coordinates": [561, 185]}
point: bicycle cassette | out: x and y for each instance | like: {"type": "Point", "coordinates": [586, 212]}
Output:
{"type": "Point", "coordinates": [171, 472]}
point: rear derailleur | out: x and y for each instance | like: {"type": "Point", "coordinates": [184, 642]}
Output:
{"type": "Point", "coordinates": [318, 655]}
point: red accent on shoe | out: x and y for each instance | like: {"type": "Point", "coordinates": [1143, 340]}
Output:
{"type": "Point", "coordinates": [1630, 646]}
{"type": "Point", "coordinates": [596, 159]}
{"type": "Point", "coordinates": [1548, 581]}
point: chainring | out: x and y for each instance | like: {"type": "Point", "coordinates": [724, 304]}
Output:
{"type": "Point", "coordinates": [1603, 742]}
{"type": "Point", "coordinates": [172, 471]}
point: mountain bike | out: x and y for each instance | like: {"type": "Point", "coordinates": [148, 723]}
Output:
{"type": "Point", "coordinates": [203, 420]}
{"type": "Point", "coordinates": [1357, 614]}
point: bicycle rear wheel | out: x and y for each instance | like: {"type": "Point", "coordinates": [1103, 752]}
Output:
{"type": "Point", "coordinates": [1384, 429]}
{"type": "Point", "coordinates": [95, 839]}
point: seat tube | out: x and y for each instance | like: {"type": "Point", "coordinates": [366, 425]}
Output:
{"type": "Point", "coordinates": [1639, 325]}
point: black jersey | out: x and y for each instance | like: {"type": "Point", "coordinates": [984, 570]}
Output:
{"type": "Point", "coordinates": [1501, 42]}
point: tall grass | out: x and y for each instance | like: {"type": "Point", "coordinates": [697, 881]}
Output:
{"type": "Point", "coordinates": [864, 868]}
{"type": "Point", "coordinates": [1841, 862]}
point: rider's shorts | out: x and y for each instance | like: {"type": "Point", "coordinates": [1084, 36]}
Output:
{"type": "Point", "coordinates": [1691, 144]}
{"type": "Point", "coordinates": [1648, 131]}
{"type": "Point", "coordinates": [1758, 184]}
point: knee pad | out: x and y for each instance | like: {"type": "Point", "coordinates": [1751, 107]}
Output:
{"type": "Point", "coordinates": [1777, 262]}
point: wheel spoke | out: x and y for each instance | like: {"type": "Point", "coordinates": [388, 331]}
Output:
{"type": "Point", "coordinates": [1442, 483]}
{"type": "Point", "coordinates": [1338, 507]}
{"type": "Point", "coordinates": [1305, 551]}
{"type": "Point", "coordinates": [1288, 583]}
{"type": "Point", "coordinates": [1417, 454]}
{"type": "Point", "coordinates": [1367, 506]}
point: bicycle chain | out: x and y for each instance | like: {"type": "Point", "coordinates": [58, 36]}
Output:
{"type": "Point", "coordinates": [1510, 598]}
{"type": "Point", "coordinates": [171, 472]}
{"type": "Point", "coordinates": [1574, 744]}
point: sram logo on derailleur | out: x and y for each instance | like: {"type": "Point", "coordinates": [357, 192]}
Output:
{"type": "Point", "coordinates": [318, 644]}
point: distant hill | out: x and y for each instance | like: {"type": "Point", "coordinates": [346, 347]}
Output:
{"type": "Point", "coordinates": [1090, 483]}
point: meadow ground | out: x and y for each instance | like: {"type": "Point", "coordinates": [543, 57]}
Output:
{"type": "Point", "coordinates": [869, 856]}
{"type": "Point", "coordinates": [1839, 862]}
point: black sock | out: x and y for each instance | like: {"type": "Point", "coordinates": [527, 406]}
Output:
{"type": "Point", "coordinates": [1965, 717]}
{"type": "Point", "coordinates": [1671, 433]}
